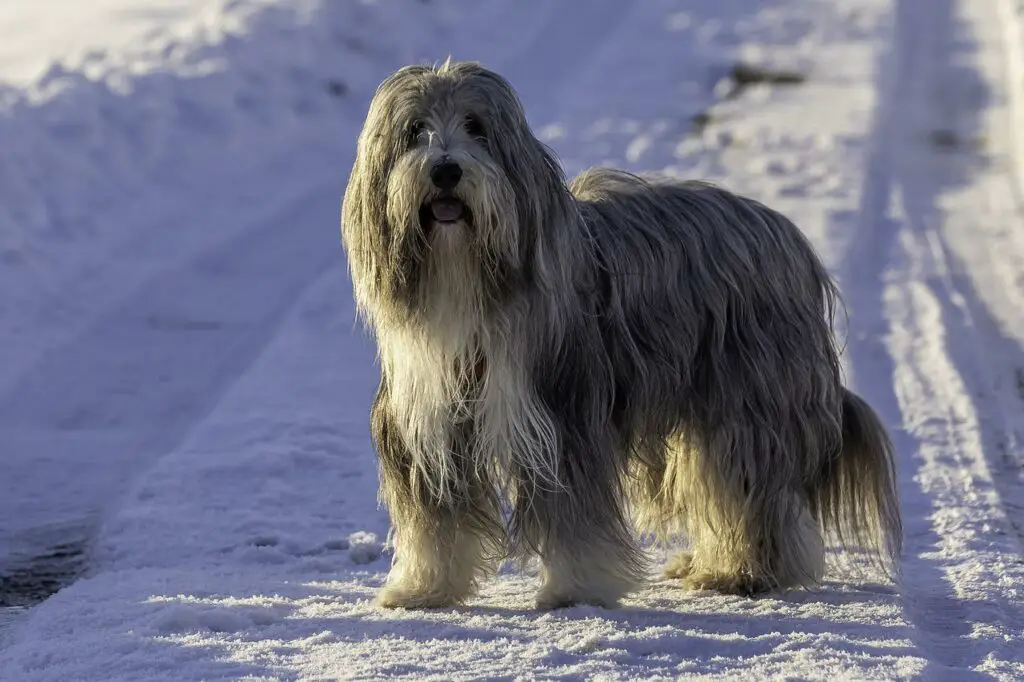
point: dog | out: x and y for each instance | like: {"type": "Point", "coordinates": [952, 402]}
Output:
{"type": "Point", "coordinates": [566, 367]}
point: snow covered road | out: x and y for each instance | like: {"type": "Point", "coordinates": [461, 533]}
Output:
{"type": "Point", "coordinates": [185, 380]}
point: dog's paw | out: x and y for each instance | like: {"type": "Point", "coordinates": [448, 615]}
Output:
{"type": "Point", "coordinates": [725, 583]}
{"type": "Point", "coordinates": [401, 597]}
{"type": "Point", "coordinates": [550, 602]}
{"type": "Point", "coordinates": [679, 567]}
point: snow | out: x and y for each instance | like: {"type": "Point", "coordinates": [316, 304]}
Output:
{"type": "Point", "coordinates": [35, 34]}
{"type": "Point", "coordinates": [185, 391]}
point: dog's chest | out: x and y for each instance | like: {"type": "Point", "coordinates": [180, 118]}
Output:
{"type": "Point", "coordinates": [512, 429]}
{"type": "Point", "coordinates": [479, 403]}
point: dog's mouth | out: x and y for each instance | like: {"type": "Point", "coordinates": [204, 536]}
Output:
{"type": "Point", "coordinates": [444, 210]}
{"type": "Point", "coordinates": [447, 210]}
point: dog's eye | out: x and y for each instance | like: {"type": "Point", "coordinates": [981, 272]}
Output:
{"type": "Point", "coordinates": [415, 130]}
{"type": "Point", "coordinates": [474, 127]}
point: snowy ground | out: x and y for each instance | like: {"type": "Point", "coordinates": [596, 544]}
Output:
{"type": "Point", "coordinates": [184, 394]}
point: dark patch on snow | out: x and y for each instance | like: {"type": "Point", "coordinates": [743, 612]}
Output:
{"type": "Point", "coordinates": [738, 78]}
{"type": "Point", "coordinates": [33, 579]}
{"type": "Point", "coordinates": [336, 88]}
{"type": "Point", "coordinates": [950, 140]}
{"type": "Point", "coordinates": [749, 74]}
{"type": "Point", "coordinates": [701, 120]}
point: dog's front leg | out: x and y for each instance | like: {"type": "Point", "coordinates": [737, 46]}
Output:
{"type": "Point", "coordinates": [438, 559]}
{"type": "Point", "coordinates": [445, 540]}
{"type": "Point", "coordinates": [586, 545]}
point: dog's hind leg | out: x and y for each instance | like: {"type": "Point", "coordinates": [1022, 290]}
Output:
{"type": "Point", "coordinates": [748, 522]}
{"type": "Point", "coordinates": [782, 549]}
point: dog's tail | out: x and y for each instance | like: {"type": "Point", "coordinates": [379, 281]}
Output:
{"type": "Point", "coordinates": [855, 496]}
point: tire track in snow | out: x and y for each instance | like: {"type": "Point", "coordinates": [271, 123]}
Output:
{"type": "Point", "coordinates": [135, 382]}
{"type": "Point", "coordinates": [986, 270]}
{"type": "Point", "coordinates": [953, 593]}
{"type": "Point", "coordinates": [991, 359]}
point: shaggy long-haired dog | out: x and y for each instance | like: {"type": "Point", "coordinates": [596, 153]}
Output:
{"type": "Point", "coordinates": [561, 361]}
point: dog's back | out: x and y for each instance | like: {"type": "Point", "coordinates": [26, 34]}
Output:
{"type": "Point", "coordinates": [686, 226]}
{"type": "Point", "coordinates": [692, 276]}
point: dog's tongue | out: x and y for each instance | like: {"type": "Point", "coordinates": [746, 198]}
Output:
{"type": "Point", "coordinates": [446, 210]}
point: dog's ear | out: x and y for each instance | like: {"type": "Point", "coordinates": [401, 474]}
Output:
{"type": "Point", "coordinates": [364, 223]}
{"type": "Point", "coordinates": [538, 183]}
{"type": "Point", "coordinates": [354, 212]}
{"type": "Point", "coordinates": [364, 208]}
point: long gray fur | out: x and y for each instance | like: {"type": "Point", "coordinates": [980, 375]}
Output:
{"type": "Point", "coordinates": [570, 362]}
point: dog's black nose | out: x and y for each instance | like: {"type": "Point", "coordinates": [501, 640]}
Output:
{"type": "Point", "coordinates": [445, 175]}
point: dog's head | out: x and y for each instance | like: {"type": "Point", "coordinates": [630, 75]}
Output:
{"type": "Point", "coordinates": [449, 183]}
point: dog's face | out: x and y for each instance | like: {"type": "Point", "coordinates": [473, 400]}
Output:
{"type": "Point", "coordinates": [444, 171]}
{"type": "Point", "coordinates": [447, 175]}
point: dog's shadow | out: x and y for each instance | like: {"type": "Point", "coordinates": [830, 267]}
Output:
{"type": "Point", "coordinates": [662, 629]}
